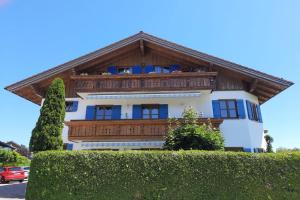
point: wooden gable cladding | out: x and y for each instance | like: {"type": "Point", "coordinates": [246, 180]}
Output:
{"type": "Point", "coordinates": [150, 57]}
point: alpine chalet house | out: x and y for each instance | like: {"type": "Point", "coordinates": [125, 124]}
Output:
{"type": "Point", "coordinates": [121, 96]}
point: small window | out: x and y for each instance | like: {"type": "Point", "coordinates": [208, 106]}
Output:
{"type": "Point", "coordinates": [125, 70]}
{"type": "Point", "coordinates": [103, 112]}
{"type": "Point", "coordinates": [253, 113]}
{"type": "Point", "coordinates": [228, 109]}
{"type": "Point", "coordinates": [159, 69]}
{"type": "Point", "coordinates": [2, 169]}
{"type": "Point", "coordinates": [150, 111]}
{"type": "Point", "coordinates": [71, 106]}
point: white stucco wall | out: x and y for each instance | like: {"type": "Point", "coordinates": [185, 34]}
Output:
{"type": "Point", "coordinates": [237, 132]}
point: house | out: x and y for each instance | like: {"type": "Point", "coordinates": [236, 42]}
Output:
{"type": "Point", "coordinates": [5, 146]}
{"type": "Point", "coordinates": [121, 96]}
{"type": "Point", "coordinates": [21, 149]}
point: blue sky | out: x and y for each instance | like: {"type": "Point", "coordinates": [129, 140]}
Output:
{"type": "Point", "coordinates": [37, 35]}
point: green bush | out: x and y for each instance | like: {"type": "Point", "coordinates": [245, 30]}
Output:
{"type": "Point", "coordinates": [170, 175]}
{"type": "Point", "coordinates": [189, 135]}
{"type": "Point", "coordinates": [12, 158]}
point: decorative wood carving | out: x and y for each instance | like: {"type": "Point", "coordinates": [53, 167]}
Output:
{"type": "Point", "coordinates": [145, 82]}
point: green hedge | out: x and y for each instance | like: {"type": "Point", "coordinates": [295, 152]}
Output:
{"type": "Point", "coordinates": [135, 175]}
{"type": "Point", "coordinates": [12, 158]}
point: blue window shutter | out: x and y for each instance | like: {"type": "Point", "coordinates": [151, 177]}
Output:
{"type": "Point", "coordinates": [216, 108]}
{"type": "Point", "coordinates": [75, 106]}
{"type": "Point", "coordinates": [90, 113]}
{"type": "Point", "coordinates": [174, 68]}
{"type": "Point", "coordinates": [247, 150]}
{"type": "Point", "coordinates": [259, 113]}
{"type": "Point", "coordinates": [249, 110]}
{"type": "Point", "coordinates": [136, 112]}
{"type": "Point", "coordinates": [137, 69]}
{"type": "Point", "coordinates": [116, 112]}
{"type": "Point", "coordinates": [149, 68]}
{"type": "Point", "coordinates": [241, 109]}
{"type": "Point", "coordinates": [112, 70]}
{"type": "Point", "coordinates": [69, 146]}
{"type": "Point", "coordinates": [163, 111]}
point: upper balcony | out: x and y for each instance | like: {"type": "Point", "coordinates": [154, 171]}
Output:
{"type": "Point", "coordinates": [144, 82]}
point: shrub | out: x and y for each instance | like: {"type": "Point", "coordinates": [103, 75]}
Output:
{"type": "Point", "coordinates": [282, 149]}
{"type": "Point", "coordinates": [12, 158]}
{"type": "Point", "coordinates": [166, 175]}
{"type": "Point", "coordinates": [269, 140]}
{"type": "Point", "coordinates": [188, 134]}
{"type": "Point", "coordinates": [47, 133]}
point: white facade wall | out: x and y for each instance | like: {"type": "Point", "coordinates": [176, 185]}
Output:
{"type": "Point", "coordinates": [237, 132]}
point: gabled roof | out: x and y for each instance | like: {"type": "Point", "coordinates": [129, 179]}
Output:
{"type": "Point", "coordinates": [141, 36]}
{"type": "Point", "coordinates": [5, 145]}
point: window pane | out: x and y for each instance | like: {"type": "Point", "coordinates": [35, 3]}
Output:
{"type": "Point", "coordinates": [100, 111]}
{"type": "Point", "coordinates": [107, 116]}
{"type": "Point", "coordinates": [108, 111]}
{"type": "Point", "coordinates": [15, 169]}
{"type": "Point", "coordinates": [146, 116]}
{"type": "Point", "coordinates": [223, 104]}
{"type": "Point", "coordinates": [69, 105]}
{"type": "Point", "coordinates": [154, 116]}
{"type": "Point", "coordinates": [99, 116]}
{"type": "Point", "coordinates": [154, 111]}
{"type": "Point", "coordinates": [146, 111]}
{"type": "Point", "coordinates": [223, 113]}
{"type": "Point", "coordinates": [166, 70]}
{"type": "Point", "coordinates": [157, 69]}
{"type": "Point", "coordinates": [231, 104]}
{"type": "Point", "coordinates": [232, 113]}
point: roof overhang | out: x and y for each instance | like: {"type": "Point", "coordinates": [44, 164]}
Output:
{"type": "Point", "coordinates": [27, 87]}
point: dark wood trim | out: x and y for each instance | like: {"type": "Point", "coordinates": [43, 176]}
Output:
{"type": "Point", "coordinates": [142, 47]}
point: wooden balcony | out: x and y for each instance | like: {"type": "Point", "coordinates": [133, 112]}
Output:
{"type": "Point", "coordinates": [144, 82]}
{"type": "Point", "coordinates": [128, 129]}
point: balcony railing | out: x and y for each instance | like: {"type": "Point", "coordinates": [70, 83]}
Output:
{"type": "Point", "coordinates": [126, 129]}
{"type": "Point", "coordinates": [144, 82]}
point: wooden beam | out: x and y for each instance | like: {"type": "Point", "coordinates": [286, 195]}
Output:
{"type": "Point", "coordinates": [265, 94]}
{"type": "Point", "coordinates": [210, 68]}
{"type": "Point", "coordinates": [37, 90]}
{"type": "Point", "coordinates": [142, 48]}
{"type": "Point", "coordinates": [267, 89]}
{"type": "Point", "coordinates": [253, 85]}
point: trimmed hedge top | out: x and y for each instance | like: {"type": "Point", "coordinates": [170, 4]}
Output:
{"type": "Point", "coordinates": [135, 175]}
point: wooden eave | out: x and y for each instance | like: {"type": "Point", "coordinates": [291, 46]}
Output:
{"type": "Point", "coordinates": [266, 86]}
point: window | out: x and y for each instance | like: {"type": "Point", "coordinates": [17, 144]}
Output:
{"type": "Point", "coordinates": [253, 111]}
{"type": "Point", "coordinates": [124, 70]}
{"type": "Point", "coordinates": [103, 112]}
{"type": "Point", "coordinates": [228, 109]}
{"type": "Point", "coordinates": [15, 169]}
{"type": "Point", "coordinates": [150, 111]}
{"type": "Point", "coordinates": [71, 106]}
{"type": "Point", "coordinates": [159, 69]}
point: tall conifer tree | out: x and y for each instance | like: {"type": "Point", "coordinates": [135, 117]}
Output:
{"type": "Point", "coordinates": [47, 134]}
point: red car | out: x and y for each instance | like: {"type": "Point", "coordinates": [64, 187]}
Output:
{"type": "Point", "coordinates": [11, 174]}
